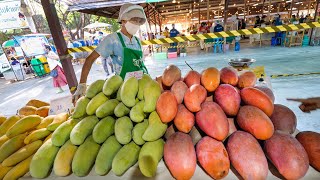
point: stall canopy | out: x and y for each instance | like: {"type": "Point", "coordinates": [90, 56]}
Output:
{"type": "Point", "coordinates": [192, 9]}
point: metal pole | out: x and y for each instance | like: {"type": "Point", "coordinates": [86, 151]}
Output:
{"type": "Point", "coordinates": [56, 32]}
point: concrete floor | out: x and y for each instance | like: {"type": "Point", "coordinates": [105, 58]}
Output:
{"type": "Point", "coordinates": [277, 60]}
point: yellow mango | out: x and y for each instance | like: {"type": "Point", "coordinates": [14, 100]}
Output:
{"type": "Point", "coordinates": [45, 122]}
{"type": "Point", "coordinates": [24, 125]}
{"type": "Point", "coordinates": [37, 135]}
{"type": "Point", "coordinates": [19, 170]}
{"type": "Point", "coordinates": [8, 124]}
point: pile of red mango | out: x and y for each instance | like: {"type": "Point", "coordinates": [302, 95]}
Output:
{"type": "Point", "coordinates": [220, 118]}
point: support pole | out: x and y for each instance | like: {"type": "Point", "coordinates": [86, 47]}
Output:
{"type": "Point", "coordinates": [56, 32]}
{"type": "Point", "coordinates": [244, 9]}
{"type": "Point", "coordinates": [155, 21]}
{"type": "Point", "coordinates": [199, 11]}
{"type": "Point", "coordinates": [226, 3]}
{"type": "Point", "coordinates": [207, 10]}
{"type": "Point", "coordinates": [278, 9]}
{"type": "Point", "coordinates": [269, 9]}
{"type": "Point", "coordinates": [291, 6]}
{"type": "Point", "coordinates": [314, 19]}
{"type": "Point", "coordinates": [309, 4]}
{"type": "Point", "coordinates": [263, 7]}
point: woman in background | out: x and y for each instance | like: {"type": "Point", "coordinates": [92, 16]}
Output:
{"type": "Point", "coordinates": [57, 74]}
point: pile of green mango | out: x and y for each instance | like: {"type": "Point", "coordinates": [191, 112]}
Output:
{"type": "Point", "coordinates": [114, 126]}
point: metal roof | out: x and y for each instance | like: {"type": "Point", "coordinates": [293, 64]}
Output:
{"type": "Point", "coordinates": [170, 8]}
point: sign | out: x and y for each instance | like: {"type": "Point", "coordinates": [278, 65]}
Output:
{"type": "Point", "coordinates": [136, 74]}
{"type": "Point", "coordinates": [61, 105]}
{"type": "Point", "coordinates": [18, 51]}
{"type": "Point", "coordinates": [32, 45]}
{"type": "Point", "coordinates": [10, 15]}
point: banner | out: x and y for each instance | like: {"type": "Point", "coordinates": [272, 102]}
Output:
{"type": "Point", "coordinates": [32, 45]}
{"type": "Point", "coordinates": [10, 15]}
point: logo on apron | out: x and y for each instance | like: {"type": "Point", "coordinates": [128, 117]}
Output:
{"type": "Point", "coordinates": [137, 62]}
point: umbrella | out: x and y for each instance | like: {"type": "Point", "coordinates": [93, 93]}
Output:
{"type": "Point", "coordinates": [10, 43]}
{"type": "Point", "coordinates": [97, 25]}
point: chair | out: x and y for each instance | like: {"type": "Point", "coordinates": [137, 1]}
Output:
{"type": "Point", "coordinates": [218, 44]}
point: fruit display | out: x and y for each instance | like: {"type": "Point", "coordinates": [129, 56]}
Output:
{"type": "Point", "coordinates": [213, 119]}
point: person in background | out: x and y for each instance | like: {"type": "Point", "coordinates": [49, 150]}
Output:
{"type": "Point", "coordinates": [57, 73]}
{"type": "Point", "coordinates": [302, 19]}
{"type": "Point", "coordinates": [293, 19]}
{"type": "Point", "coordinates": [263, 21]}
{"type": "Point", "coordinates": [123, 47]}
{"type": "Point", "coordinates": [174, 32]}
{"type": "Point", "coordinates": [202, 30]}
{"type": "Point", "coordinates": [243, 26]}
{"type": "Point", "coordinates": [257, 23]}
{"type": "Point", "coordinates": [218, 27]}
{"type": "Point", "coordinates": [166, 32]}
{"type": "Point", "coordinates": [14, 61]}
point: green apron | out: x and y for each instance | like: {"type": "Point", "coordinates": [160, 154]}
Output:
{"type": "Point", "coordinates": [132, 61]}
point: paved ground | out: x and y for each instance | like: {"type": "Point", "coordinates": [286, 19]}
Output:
{"type": "Point", "coordinates": [277, 60]}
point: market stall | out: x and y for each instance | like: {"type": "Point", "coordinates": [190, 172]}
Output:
{"type": "Point", "coordinates": [171, 127]}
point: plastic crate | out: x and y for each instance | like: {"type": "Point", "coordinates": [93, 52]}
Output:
{"type": "Point", "coordinates": [160, 56]}
{"type": "Point", "coordinates": [172, 55]}
{"type": "Point", "coordinates": [38, 67]}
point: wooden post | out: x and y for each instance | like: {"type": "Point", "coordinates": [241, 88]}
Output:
{"type": "Point", "coordinates": [263, 7]}
{"type": "Point", "coordinates": [309, 4]}
{"type": "Point", "coordinates": [315, 18]}
{"type": "Point", "coordinates": [269, 8]}
{"type": "Point", "coordinates": [244, 11]}
{"type": "Point", "coordinates": [155, 21]}
{"type": "Point", "coordinates": [208, 11]}
{"type": "Point", "coordinates": [291, 6]}
{"type": "Point", "coordinates": [56, 32]}
{"type": "Point", "coordinates": [226, 3]}
{"type": "Point", "coordinates": [199, 10]}
{"type": "Point", "coordinates": [278, 9]}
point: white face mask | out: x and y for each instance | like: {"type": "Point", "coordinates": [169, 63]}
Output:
{"type": "Point", "coordinates": [131, 28]}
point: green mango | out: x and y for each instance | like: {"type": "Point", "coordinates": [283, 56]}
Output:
{"type": "Point", "coordinates": [136, 113]}
{"type": "Point", "coordinates": [123, 129]}
{"type": "Point", "coordinates": [85, 157]}
{"type": "Point", "coordinates": [80, 109]}
{"type": "Point", "coordinates": [112, 85]}
{"type": "Point", "coordinates": [83, 129]}
{"type": "Point", "coordinates": [156, 129]}
{"type": "Point", "coordinates": [129, 91]}
{"type": "Point", "coordinates": [149, 157]}
{"type": "Point", "coordinates": [62, 133]}
{"type": "Point", "coordinates": [95, 102]}
{"type": "Point", "coordinates": [107, 108]}
{"type": "Point", "coordinates": [138, 131]}
{"type": "Point", "coordinates": [94, 88]}
{"type": "Point", "coordinates": [126, 157]}
{"type": "Point", "coordinates": [121, 110]}
{"type": "Point", "coordinates": [107, 152]}
{"type": "Point", "coordinates": [103, 129]}
{"type": "Point", "coordinates": [119, 93]}
{"type": "Point", "coordinates": [151, 93]}
{"type": "Point", "coordinates": [142, 83]}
